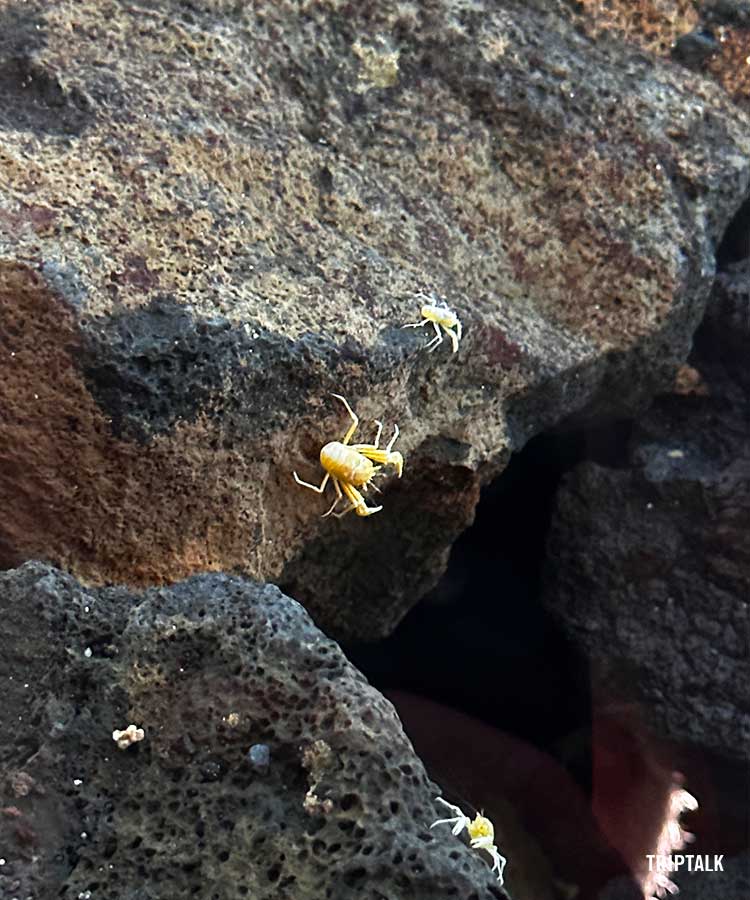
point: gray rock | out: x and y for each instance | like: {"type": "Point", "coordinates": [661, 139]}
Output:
{"type": "Point", "coordinates": [206, 668]}
{"type": "Point", "coordinates": [694, 48]}
{"type": "Point", "coordinates": [727, 12]}
{"type": "Point", "coordinates": [259, 756]}
{"type": "Point", "coordinates": [650, 564]}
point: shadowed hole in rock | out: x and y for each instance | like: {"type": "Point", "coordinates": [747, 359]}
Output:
{"type": "Point", "coordinates": [480, 640]}
{"type": "Point", "coordinates": [735, 244]}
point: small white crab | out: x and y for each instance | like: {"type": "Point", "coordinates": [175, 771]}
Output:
{"type": "Point", "coordinates": [481, 834]}
{"type": "Point", "coordinates": [441, 316]}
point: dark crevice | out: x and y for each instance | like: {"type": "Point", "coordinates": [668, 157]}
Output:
{"type": "Point", "coordinates": [735, 244]}
{"type": "Point", "coordinates": [480, 641]}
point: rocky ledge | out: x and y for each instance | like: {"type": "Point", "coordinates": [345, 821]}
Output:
{"type": "Point", "coordinates": [267, 768]}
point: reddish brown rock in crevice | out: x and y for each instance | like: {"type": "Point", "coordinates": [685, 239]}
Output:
{"type": "Point", "coordinates": [107, 508]}
{"type": "Point", "coordinates": [54, 441]}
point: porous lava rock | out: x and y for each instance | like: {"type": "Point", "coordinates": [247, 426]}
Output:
{"type": "Point", "coordinates": [213, 215]}
{"type": "Point", "coordinates": [709, 36]}
{"type": "Point", "coordinates": [650, 563]}
{"type": "Point", "coordinates": [337, 806]}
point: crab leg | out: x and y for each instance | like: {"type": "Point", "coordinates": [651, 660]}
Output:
{"type": "Point", "coordinates": [313, 487]}
{"type": "Point", "coordinates": [339, 498]}
{"type": "Point", "coordinates": [437, 340]}
{"type": "Point", "coordinates": [458, 823]}
{"type": "Point", "coordinates": [355, 420]}
{"type": "Point", "coordinates": [357, 502]}
{"type": "Point", "coordinates": [384, 457]}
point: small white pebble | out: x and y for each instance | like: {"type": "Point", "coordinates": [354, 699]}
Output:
{"type": "Point", "coordinates": [649, 506]}
{"type": "Point", "coordinates": [2, 861]}
{"type": "Point", "coordinates": [676, 454]}
{"type": "Point", "coordinates": [87, 652]}
{"type": "Point", "coordinates": [131, 735]}
{"type": "Point", "coordinates": [77, 782]}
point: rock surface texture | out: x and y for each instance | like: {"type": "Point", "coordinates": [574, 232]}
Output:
{"type": "Point", "coordinates": [708, 36]}
{"type": "Point", "coordinates": [331, 803]}
{"type": "Point", "coordinates": [650, 563]}
{"type": "Point", "coordinates": [214, 214]}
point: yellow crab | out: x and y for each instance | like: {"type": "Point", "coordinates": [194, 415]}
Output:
{"type": "Point", "coordinates": [350, 467]}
